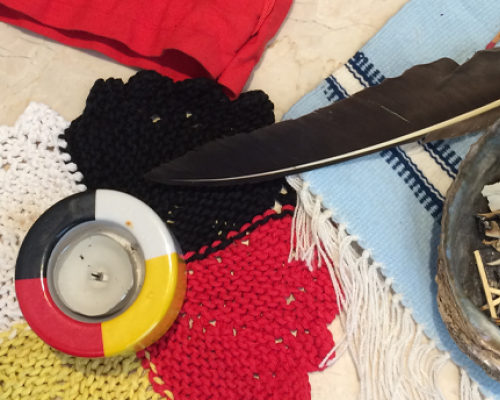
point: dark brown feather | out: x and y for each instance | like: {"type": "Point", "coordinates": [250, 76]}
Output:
{"type": "Point", "coordinates": [432, 101]}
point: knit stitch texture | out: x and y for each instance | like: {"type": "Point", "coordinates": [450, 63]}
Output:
{"type": "Point", "coordinates": [33, 176]}
{"type": "Point", "coordinates": [252, 326]}
{"type": "Point", "coordinates": [237, 336]}
{"type": "Point", "coordinates": [127, 129]}
{"type": "Point", "coordinates": [279, 311]}
{"type": "Point", "coordinates": [30, 369]}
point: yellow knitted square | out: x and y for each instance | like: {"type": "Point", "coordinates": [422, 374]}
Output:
{"type": "Point", "coordinates": [31, 370]}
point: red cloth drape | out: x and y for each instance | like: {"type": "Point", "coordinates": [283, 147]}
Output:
{"type": "Point", "coordinates": [219, 39]}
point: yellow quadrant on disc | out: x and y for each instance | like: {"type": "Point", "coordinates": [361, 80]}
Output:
{"type": "Point", "coordinates": [154, 310]}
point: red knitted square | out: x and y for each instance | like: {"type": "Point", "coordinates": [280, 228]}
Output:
{"type": "Point", "coordinates": [252, 326]}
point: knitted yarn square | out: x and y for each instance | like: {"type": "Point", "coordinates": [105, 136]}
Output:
{"type": "Point", "coordinates": [127, 129]}
{"type": "Point", "coordinates": [253, 324]}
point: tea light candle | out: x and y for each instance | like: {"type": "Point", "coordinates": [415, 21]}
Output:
{"type": "Point", "coordinates": [94, 275]}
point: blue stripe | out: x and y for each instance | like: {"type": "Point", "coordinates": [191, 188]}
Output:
{"type": "Point", "coordinates": [425, 193]}
{"type": "Point", "coordinates": [420, 174]}
{"type": "Point", "coordinates": [442, 150]}
{"type": "Point", "coordinates": [356, 75]}
{"type": "Point", "coordinates": [432, 200]}
{"type": "Point", "coordinates": [437, 158]}
{"type": "Point", "coordinates": [334, 91]}
{"type": "Point", "coordinates": [366, 73]}
{"type": "Point", "coordinates": [362, 69]}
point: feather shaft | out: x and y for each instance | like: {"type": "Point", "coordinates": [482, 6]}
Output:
{"type": "Point", "coordinates": [433, 101]}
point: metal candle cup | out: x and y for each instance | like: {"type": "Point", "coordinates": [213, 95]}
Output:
{"type": "Point", "coordinates": [95, 271]}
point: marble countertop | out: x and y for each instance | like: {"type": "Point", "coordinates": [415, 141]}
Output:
{"type": "Point", "coordinates": [317, 37]}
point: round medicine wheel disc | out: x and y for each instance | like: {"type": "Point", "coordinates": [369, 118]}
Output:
{"type": "Point", "coordinates": [141, 323]}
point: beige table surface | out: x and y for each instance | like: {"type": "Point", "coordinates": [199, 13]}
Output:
{"type": "Point", "coordinates": [316, 38]}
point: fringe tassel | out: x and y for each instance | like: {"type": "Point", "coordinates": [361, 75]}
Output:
{"type": "Point", "coordinates": [469, 390]}
{"type": "Point", "coordinates": [393, 357]}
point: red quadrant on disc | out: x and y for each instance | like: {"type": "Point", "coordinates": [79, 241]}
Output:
{"type": "Point", "coordinates": [53, 326]}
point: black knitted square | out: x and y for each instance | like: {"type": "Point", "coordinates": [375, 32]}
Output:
{"type": "Point", "coordinates": [127, 129]}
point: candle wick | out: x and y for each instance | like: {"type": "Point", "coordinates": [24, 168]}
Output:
{"type": "Point", "coordinates": [98, 276]}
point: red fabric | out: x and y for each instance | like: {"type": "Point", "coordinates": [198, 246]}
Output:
{"type": "Point", "coordinates": [236, 337]}
{"type": "Point", "coordinates": [218, 39]}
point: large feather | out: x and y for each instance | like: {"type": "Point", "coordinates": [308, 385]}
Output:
{"type": "Point", "coordinates": [432, 101]}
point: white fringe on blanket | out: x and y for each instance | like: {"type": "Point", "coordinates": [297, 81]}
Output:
{"type": "Point", "coordinates": [393, 357]}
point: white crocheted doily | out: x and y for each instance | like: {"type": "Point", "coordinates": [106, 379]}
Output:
{"type": "Point", "coordinates": [33, 176]}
